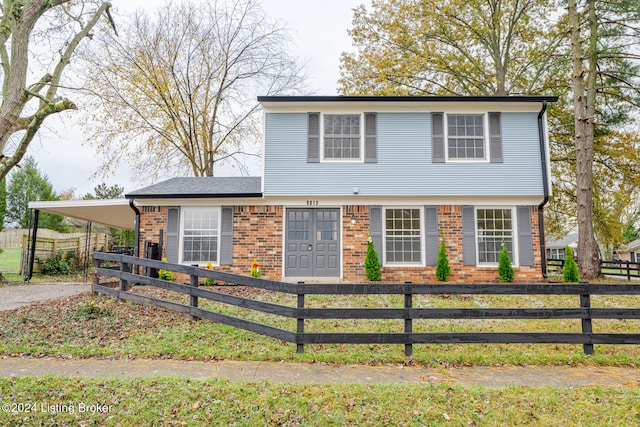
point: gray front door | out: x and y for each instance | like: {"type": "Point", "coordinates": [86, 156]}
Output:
{"type": "Point", "coordinates": [312, 243]}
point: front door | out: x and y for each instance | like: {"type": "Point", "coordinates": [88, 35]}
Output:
{"type": "Point", "coordinates": [312, 243]}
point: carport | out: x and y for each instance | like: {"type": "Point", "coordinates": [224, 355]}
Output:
{"type": "Point", "coordinates": [118, 213]}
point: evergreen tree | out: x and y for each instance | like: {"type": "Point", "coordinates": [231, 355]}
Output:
{"type": "Point", "coordinates": [504, 265]}
{"type": "Point", "coordinates": [371, 263]}
{"type": "Point", "coordinates": [443, 270]}
{"type": "Point", "coordinates": [570, 270]}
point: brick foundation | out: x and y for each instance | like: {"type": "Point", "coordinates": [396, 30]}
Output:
{"type": "Point", "coordinates": [258, 234]}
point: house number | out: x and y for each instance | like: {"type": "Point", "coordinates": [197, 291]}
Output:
{"type": "Point", "coordinates": [312, 203]}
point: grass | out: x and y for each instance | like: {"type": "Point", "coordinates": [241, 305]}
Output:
{"type": "Point", "coordinates": [175, 401]}
{"type": "Point", "coordinates": [105, 327]}
{"type": "Point", "coordinates": [10, 260]}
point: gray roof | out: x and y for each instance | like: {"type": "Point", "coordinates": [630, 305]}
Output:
{"type": "Point", "coordinates": [200, 187]}
{"type": "Point", "coordinates": [631, 246]}
{"type": "Point", "coordinates": [562, 242]}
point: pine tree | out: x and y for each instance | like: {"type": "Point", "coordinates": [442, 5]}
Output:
{"type": "Point", "coordinates": [504, 265]}
{"type": "Point", "coordinates": [371, 263]}
{"type": "Point", "coordinates": [570, 270]}
{"type": "Point", "coordinates": [443, 271]}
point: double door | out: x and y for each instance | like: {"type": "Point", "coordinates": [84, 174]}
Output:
{"type": "Point", "coordinates": [312, 243]}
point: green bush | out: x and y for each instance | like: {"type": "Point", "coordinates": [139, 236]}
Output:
{"type": "Point", "coordinates": [570, 270]}
{"type": "Point", "coordinates": [505, 270]}
{"type": "Point", "coordinates": [443, 270]}
{"type": "Point", "coordinates": [371, 263]}
{"type": "Point", "coordinates": [57, 264]}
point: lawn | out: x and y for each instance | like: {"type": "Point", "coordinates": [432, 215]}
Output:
{"type": "Point", "coordinates": [10, 260]}
{"type": "Point", "coordinates": [85, 327]}
{"type": "Point", "coordinates": [171, 401]}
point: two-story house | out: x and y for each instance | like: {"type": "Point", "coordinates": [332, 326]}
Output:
{"type": "Point", "coordinates": [407, 171]}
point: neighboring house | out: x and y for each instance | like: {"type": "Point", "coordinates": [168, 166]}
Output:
{"type": "Point", "coordinates": [556, 247]}
{"type": "Point", "coordinates": [630, 252]}
{"type": "Point", "coordinates": [338, 169]}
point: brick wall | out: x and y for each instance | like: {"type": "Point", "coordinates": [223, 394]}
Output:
{"type": "Point", "coordinates": [258, 233]}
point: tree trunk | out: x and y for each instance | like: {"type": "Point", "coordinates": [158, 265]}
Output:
{"type": "Point", "coordinates": [584, 108]}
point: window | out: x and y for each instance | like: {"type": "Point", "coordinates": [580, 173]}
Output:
{"type": "Point", "coordinates": [342, 137]}
{"type": "Point", "coordinates": [402, 234]}
{"type": "Point", "coordinates": [465, 137]}
{"type": "Point", "coordinates": [556, 253]}
{"type": "Point", "coordinates": [494, 227]}
{"type": "Point", "coordinates": [200, 235]}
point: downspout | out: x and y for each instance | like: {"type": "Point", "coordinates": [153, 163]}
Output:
{"type": "Point", "coordinates": [136, 237]}
{"type": "Point", "coordinates": [545, 187]}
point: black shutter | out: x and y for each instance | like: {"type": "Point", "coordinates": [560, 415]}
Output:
{"type": "Point", "coordinates": [173, 234]}
{"type": "Point", "coordinates": [468, 235]}
{"type": "Point", "coordinates": [313, 142]}
{"type": "Point", "coordinates": [495, 138]}
{"type": "Point", "coordinates": [431, 234]}
{"type": "Point", "coordinates": [437, 138]}
{"type": "Point", "coordinates": [370, 138]}
{"type": "Point", "coordinates": [226, 235]}
{"type": "Point", "coordinates": [375, 229]}
{"type": "Point", "coordinates": [525, 237]}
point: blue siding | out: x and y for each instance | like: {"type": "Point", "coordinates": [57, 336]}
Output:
{"type": "Point", "coordinates": [404, 164]}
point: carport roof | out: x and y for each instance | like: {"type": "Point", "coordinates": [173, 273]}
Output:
{"type": "Point", "coordinates": [112, 212]}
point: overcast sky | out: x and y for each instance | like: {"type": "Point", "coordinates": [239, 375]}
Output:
{"type": "Point", "coordinates": [320, 33]}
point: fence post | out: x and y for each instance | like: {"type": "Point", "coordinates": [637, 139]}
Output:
{"type": "Point", "coordinates": [193, 300]}
{"type": "Point", "coordinates": [300, 326]}
{"type": "Point", "coordinates": [585, 302]}
{"type": "Point", "coordinates": [124, 268]}
{"type": "Point", "coordinates": [628, 270]}
{"type": "Point", "coordinates": [96, 278]}
{"type": "Point", "coordinates": [408, 321]}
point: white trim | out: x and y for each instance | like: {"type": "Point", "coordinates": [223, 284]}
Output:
{"type": "Point", "coordinates": [384, 237]}
{"type": "Point", "coordinates": [361, 135]}
{"type": "Point", "coordinates": [485, 137]}
{"type": "Point", "coordinates": [181, 235]}
{"type": "Point", "coordinates": [515, 262]}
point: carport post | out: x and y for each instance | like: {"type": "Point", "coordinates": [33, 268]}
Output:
{"type": "Point", "coordinates": [34, 236]}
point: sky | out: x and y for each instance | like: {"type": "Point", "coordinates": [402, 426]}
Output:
{"type": "Point", "coordinates": [319, 30]}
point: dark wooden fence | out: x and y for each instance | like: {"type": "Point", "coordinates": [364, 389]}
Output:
{"type": "Point", "coordinates": [626, 269]}
{"type": "Point", "coordinates": [124, 268]}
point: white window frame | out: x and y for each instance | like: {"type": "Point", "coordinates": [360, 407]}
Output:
{"type": "Point", "coordinates": [514, 222]}
{"type": "Point", "coordinates": [485, 127]}
{"type": "Point", "coordinates": [322, 135]}
{"type": "Point", "coordinates": [421, 263]}
{"type": "Point", "coordinates": [183, 215]}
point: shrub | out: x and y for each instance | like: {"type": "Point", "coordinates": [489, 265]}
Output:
{"type": "Point", "coordinates": [57, 264]}
{"type": "Point", "coordinates": [371, 263]}
{"type": "Point", "coordinates": [208, 281]}
{"type": "Point", "coordinates": [570, 269]}
{"type": "Point", "coordinates": [165, 274]}
{"type": "Point", "coordinates": [443, 270]}
{"type": "Point", "coordinates": [504, 265]}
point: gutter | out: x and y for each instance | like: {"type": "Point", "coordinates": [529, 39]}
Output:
{"type": "Point", "coordinates": [137, 227]}
{"type": "Point", "coordinates": [545, 187]}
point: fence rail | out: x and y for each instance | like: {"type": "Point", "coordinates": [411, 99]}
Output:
{"type": "Point", "coordinates": [127, 266]}
{"type": "Point", "coordinates": [626, 269]}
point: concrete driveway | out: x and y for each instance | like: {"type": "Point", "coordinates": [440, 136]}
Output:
{"type": "Point", "coordinates": [18, 296]}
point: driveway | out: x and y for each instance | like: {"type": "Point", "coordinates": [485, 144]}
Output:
{"type": "Point", "coordinates": [18, 296]}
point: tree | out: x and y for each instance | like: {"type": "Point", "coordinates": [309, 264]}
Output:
{"type": "Point", "coordinates": [505, 270]}
{"type": "Point", "coordinates": [443, 270]}
{"type": "Point", "coordinates": [56, 28]}
{"type": "Point", "coordinates": [371, 262]}
{"type": "Point", "coordinates": [3, 201]}
{"type": "Point", "coordinates": [570, 268]}
{"type": "Point", "coordinates": [101, 191]}
{"type": "Point", "coordinates": [28, 184]}
{"type": "Point", "coordinates": [177, 93]}
{"type": "Point", "coordinates": [601, 33]}
{"type": "Point", "coordinates": [454, 47]}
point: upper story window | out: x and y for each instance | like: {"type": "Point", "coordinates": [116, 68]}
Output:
{"type": "Point", "coordinates": [465, 137]}
{"type": "Point", "coordinates": [471, 137]}
{"type": "Point", "coordinates": [342, 139]}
